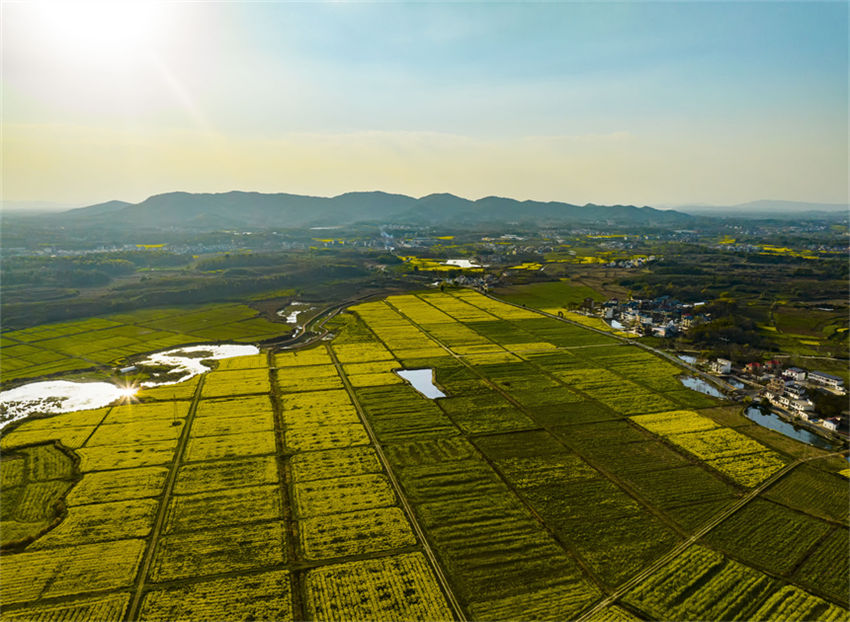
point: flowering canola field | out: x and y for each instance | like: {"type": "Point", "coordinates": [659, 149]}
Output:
{"type": "Point", "coordinates": [316, 484]}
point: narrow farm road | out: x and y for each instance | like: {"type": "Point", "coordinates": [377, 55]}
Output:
{"type": "Point", "coordinates": [133, 610]}
{"type": "Point", "coordinates": [420, 534]}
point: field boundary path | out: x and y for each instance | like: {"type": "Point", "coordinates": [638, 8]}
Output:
{"type": "Point", "coordinates": [568, 547]}
{"type": "Point", "coordinates": [420, 534]}
{"type": "Point", "coordinates": [718, 518]}
{"type": "Point", "coordinates": [162, 511]}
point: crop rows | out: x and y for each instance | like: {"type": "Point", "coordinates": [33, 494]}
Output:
{"type": "Point", "coordinates": [701, 584]}
{"type": "Point", "coordinates": [744, 460]}
{"type": "Point", "coordinates": [400, 587]}
{"type": "Point", "coordinates": [613, 533]}
{"type": "Point", "coordinates": [792, 603]}
{"type": "Point", "coordinates": [265, 596]}
{"type": "Point", "coordinates": [827, 567]}
{"type": "Point", "coordinates": [768, 536]}
{"type": "Point", "coordinates": [317, 420]}
{"type": "Point", "coordinates": [34, 480]}
{"type": "Point", "coordinates": [813, 491]}
{"type": "Point", "coordinates": [345, 504]}
{"type": "Point", "coordinates": [108, 608]}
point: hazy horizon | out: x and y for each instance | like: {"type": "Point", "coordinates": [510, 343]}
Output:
{"type": "Point", "coordinates": [35, 206]}
{"type": "Point", "coordinates": [632, 103]}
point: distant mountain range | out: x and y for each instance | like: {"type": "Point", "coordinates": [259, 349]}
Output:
{"type": "Point", "coordinates": [253, 210]}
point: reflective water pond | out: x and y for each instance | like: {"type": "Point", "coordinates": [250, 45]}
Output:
{"type": "Point", "coordinates": [690, 360]}
{"type": "Point", "coordinates": [291, 311]}
{"type": "Point", "coordinates": [775, 422]}
{"type": "Point", "coordinates": [697, 384]}
{"type": "Point", "coordinates": [187, 362]}
{"type": "Point", "coordinates": [462, 263]}
{"type": "Point", "coordinates": [423, 381]}
{"type": "Point", "coordinates": [59, 396]}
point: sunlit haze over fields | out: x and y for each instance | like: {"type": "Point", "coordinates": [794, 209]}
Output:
{"type": "Point", "coordinates": [640, 103]}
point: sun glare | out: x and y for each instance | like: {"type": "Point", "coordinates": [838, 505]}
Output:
{"type": "Point", "coordinates": [128, 392]}
{"type": "Point", "coordinates": [100, 32]}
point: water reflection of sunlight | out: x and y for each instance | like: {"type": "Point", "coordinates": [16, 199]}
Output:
{"type": "Point", "coordinates": [127, 392]}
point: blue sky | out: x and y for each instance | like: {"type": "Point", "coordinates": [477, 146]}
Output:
{"type": "Point", "coordinates": [648, 103]}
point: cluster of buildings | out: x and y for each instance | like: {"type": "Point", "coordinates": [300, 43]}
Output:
{"type": "Point", "coordinates": [637, 262]}
{"type": "Point", "coordinates": [789, 388]}
{"type": "Point", "coordinates": [659, 317]}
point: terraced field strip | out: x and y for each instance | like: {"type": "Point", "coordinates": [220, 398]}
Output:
{"type": "Point", "coordinates": [426, 547]}
{"type": "Point", "coordinates": [680, 548]}
{"type": "Point", "coordinates": [162, 511]}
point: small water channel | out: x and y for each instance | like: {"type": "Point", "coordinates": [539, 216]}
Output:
{"type": "Point", "coordinates": [775, 422]}
{"type": "Point", "coordinates": [60, 396]}
{"type": "Point", "coordinates": [291, 311]}
{"type": "Point", "coordinates": [698, 384]}
{"type": "Point", "coordinates": [423, 381]}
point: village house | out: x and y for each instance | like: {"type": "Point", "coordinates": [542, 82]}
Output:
{"type": "Point", "coordinates": [827, 380]}
{"type": "Point", "coordinates": [794, 373]}
{"type": "Point", "coordinates": [721, 366]}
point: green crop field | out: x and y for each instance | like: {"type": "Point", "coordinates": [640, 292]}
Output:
{"type": "Point", "coordinates": [565, 475]}
{"type": "Point", "coordinates": [104, 341]}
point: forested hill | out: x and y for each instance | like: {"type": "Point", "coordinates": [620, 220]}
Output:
{"type": "Point", "coordinates": [257, 211]}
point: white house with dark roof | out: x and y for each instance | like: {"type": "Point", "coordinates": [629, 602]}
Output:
{"type": "Point", "coordinates": [827, 380]}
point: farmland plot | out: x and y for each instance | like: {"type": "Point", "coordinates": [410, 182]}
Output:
{"type": "Point", "coordinates": [265, 596]}
{"type": "Point", "coordinates": [225, 475]}
{"type": "Point", "coordinates": [701, 584]}
{"type": "Point", "coordinates": [223, 507]}
{"type": "Point", "coordinates": [400, 587]}
{"type": "Point", "coordinates": [83, 344]}
{"type": "Point", "coordinates": [827, 567]}
{"type": "Point", "coordinates": [355, 533]}
{"type": "Point", "coordinates": [814, 492]}
{"type": "Point", "coordinates": [34, 480]}
{"type": "Point", "coordinates": [236, 382]}
{"type": "Point", "coordinates": [208, 552]}
{"type": "Point", "coordinates": [100, 522]}
{"type": "Point", "coordinates": [768, 536]}
{"type": "Point", "coordinates": [66, 571]}
{"type": "Point", "coordinates": [103, 608]}
{"type": "Point", "coordinates": [314, 465]}
{"type": "Point", "coordinates": [532, 486]}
